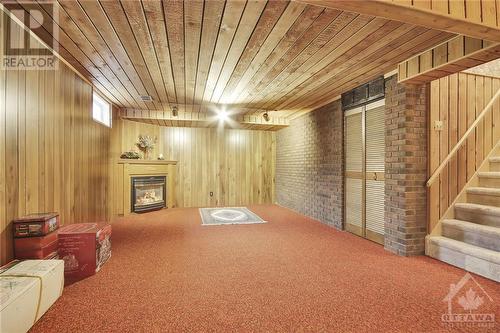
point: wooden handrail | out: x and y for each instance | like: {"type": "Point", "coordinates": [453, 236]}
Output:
{"type": "Point", "coordinates": [462, 140]}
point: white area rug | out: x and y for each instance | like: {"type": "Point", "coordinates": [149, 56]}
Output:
{"type": "Point", "coordinates": [228, 215]}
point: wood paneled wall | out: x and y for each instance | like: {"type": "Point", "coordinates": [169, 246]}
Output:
{"type": "Point", "coordinates": [53, 156]}
{"type": "Point", "coordinates": [453, 56]}
{"type": "Point", "coordinates": [478, 11]}
{"type": "Point", "coordinates": [238, 166]}
{"type": "Point", "coordinates": [457, 100]}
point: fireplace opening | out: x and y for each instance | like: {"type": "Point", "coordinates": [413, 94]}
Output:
{"type": "Point", "coordinates": [148, 193]}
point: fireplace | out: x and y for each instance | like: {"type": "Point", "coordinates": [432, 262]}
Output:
{"type": "Point", "coordinates": [148, 193]}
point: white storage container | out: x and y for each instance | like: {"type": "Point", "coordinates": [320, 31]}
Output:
{"type": "Point", "coordinates": [27, 291]}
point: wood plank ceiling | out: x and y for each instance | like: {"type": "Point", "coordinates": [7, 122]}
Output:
{"type": "Point", "coordinates": [252, 56]}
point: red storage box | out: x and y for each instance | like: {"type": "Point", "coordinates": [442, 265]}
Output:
{"type": "Point", "coordinates": [36, 225]}
{"type": "Point", "coordinates": [84, 247]}
{"type": "Point", "coordinates": [35, 247]}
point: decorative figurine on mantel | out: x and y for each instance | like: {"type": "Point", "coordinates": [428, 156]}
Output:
{"type": "Point", "coordinates": [161, 158]}
{"type": "Point", "coordinates": [146, 144]}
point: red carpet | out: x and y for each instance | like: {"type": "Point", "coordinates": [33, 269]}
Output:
{"type": "Point", "coordinates": [170, 274]}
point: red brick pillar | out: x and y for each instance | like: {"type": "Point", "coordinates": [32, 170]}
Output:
{"type": "Point", "coordinates": [405, 167]}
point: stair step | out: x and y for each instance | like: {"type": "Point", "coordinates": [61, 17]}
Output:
{"type": "Point", "coordinates": [480, 214]}
{"type": "Point", "coordinates": [484, 196]}
{"type": "Point", "coordinates": [489, 179]}
{"type": "Point", "coordinates": [494, 163]}
{"type": "Point", "coordinates": [472, 258]}
{"type": "Point", "coordinates": [476, 234]}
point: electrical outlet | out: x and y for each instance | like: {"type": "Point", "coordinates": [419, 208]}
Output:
{"type": "Point", "coordinates": [211, 194]}
{"type": "Point", "coordinates": [438, 125]}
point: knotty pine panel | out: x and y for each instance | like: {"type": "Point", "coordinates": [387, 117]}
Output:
{"type": "Point", "coordinates": [457, 100]}
{"type": "Point", "coordinates": [479, 11]}
{"type": "Point", "coordinates": [238, 166]}
{"type": "Point", "coordinates": [53, 156]}
{"type": "Point", "coordinates": [457, 54]}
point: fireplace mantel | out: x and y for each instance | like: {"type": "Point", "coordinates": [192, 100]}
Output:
{"type": "Point", "coordinates": [148, 162]}
{"type": "Point", "coordinates": [125, 169]}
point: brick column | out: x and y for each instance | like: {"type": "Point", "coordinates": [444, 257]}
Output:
{"type": "Point", "coordinates": [405, 167]}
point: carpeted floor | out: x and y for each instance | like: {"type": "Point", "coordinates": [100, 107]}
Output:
{"type": "Point", "coordinates": [168, 273]}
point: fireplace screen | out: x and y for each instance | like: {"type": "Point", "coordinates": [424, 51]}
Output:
{"type": "Point", "coordinates": [148, 193]}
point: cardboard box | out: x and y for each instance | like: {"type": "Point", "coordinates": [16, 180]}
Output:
{"type": "Point", "coordinates": [36, 225]}
{"type": "Point", "coordinates": [84, 247]}
{"type": "Point", "coordinates": [27, 290]}
{"type": "Point", "coordinates": [35, 247]}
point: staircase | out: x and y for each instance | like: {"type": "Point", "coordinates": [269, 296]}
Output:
{"type": "Point", "coordinates": [469, 234]}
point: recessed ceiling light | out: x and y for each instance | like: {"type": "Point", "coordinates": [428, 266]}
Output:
{"type": "Point", "coordinates": [223, 115]}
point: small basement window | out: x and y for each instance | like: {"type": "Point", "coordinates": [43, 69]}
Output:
{"type": "Point", "coordinates": [101, 110]}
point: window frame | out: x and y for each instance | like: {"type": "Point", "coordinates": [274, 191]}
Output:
{"type": "Point", "coordinates": [96, 97]}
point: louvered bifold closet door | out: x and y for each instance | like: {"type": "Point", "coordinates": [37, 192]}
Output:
{"type": "Point", "coordinates": [375, 169]}
{"type": "Point", "coordinates": [354, 171]}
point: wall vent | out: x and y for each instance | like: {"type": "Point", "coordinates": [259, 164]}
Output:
{"type": "Point", "coordinates": [146, 98]}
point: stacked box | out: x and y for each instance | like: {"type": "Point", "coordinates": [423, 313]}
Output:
{"type": "Point", "coordinates": [36, 225]}
{"type": "Point", "coordinates": [36, 247]}
{"type": "Point", "coordinates": [27, 290]}
{"type": "Point", "coordinates": [35, 236]}
{"type": "Point", "coordinates": [84, 247]}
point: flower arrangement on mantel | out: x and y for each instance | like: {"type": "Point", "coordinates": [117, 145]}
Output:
{"type": "Point", "coordinates": [146, 144]}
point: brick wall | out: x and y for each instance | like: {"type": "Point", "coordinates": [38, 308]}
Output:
{"type": "Point", "coordinates": [309, 165]}
{"type": "Point", "coordinates": [405, 168]}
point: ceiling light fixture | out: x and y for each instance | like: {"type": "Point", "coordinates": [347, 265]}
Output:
{"type": "Point", "coordinates": [266, 116]}
{"type": "Point", "coordinates": [175, 112]}
{"type": "Point", "coordinates": [222, 115]}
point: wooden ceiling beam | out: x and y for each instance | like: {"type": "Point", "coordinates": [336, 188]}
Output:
{"type": "Point", "coordinates": [451, 19]}
{"type": "Point", "coordinates": [203, 119]}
